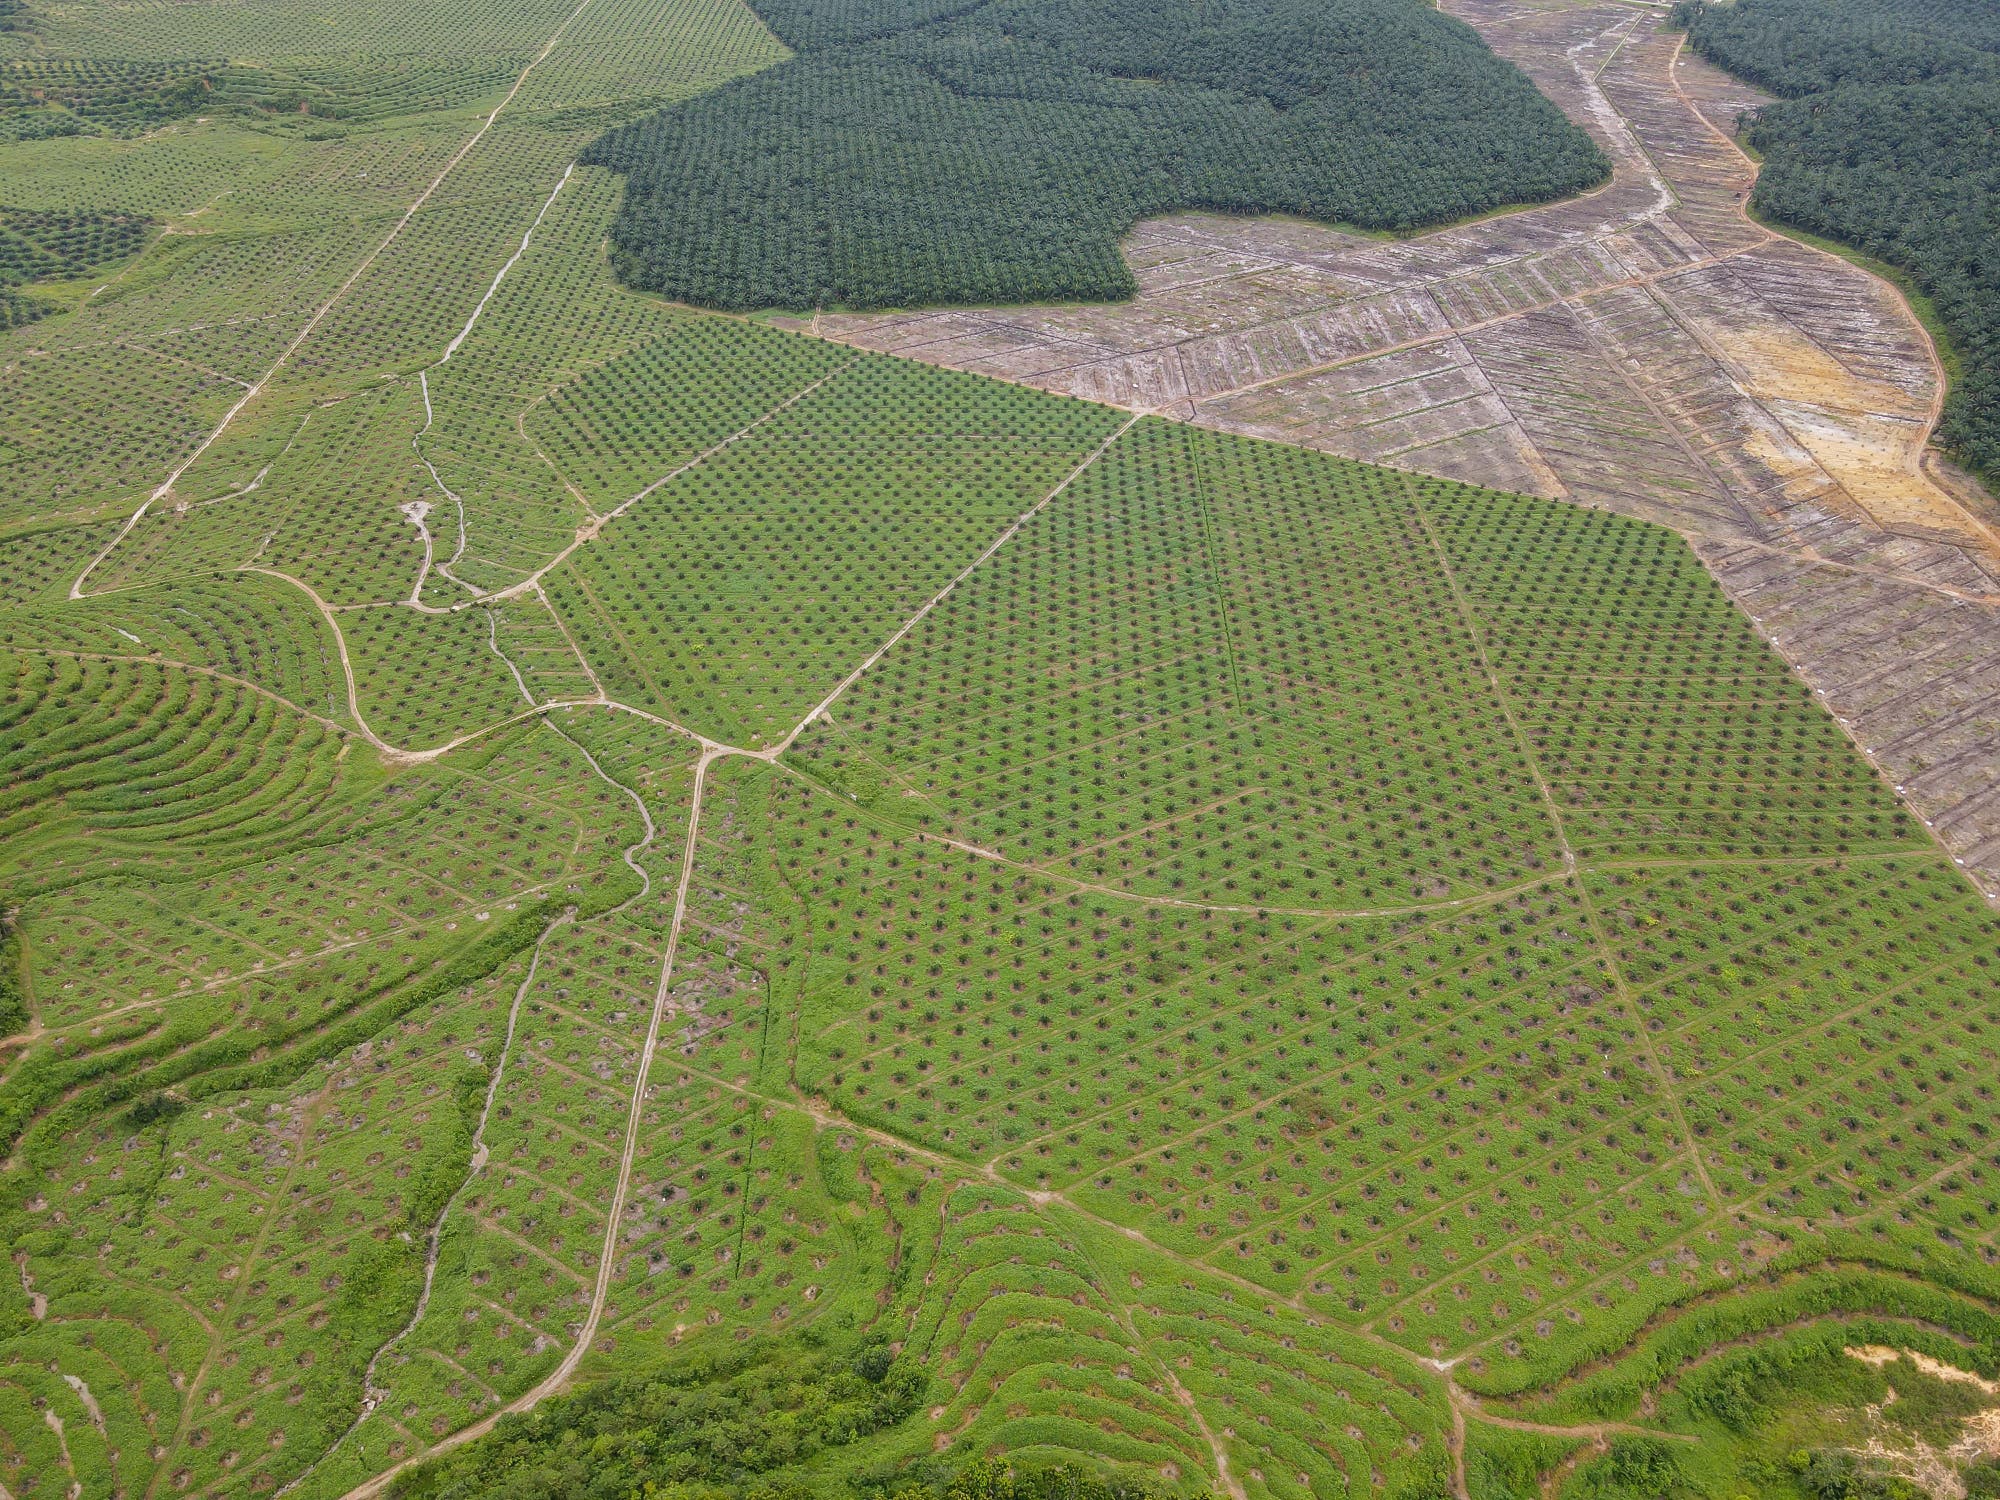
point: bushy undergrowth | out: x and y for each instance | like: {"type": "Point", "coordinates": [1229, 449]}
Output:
{"type": "Point", "coordinates": [99, 95]}
{"type": "Point", "coordinates": [707, 1428]}
{"type": "Point", "coordinates": [1634, 1468]}
{"type": "Point", "coordinates": [1834, 1474]}
{"type": "Point", "coordinates": [13, 999]}
{"type": "Point", "coordinates": [1504, 1463]}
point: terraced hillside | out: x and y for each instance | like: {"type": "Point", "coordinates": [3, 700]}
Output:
{"type": "Point", "coordinates": [597, 894]}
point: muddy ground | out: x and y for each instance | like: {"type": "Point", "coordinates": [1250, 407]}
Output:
{"type": "Point", "coordinates": [1646, 348]}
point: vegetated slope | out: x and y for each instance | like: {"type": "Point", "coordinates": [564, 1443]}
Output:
{"type": "Point", "coordinates": [1783, 1389]}
{"type": "Point", "coordinates": [43, 246]}
{"type": "Point", "coordinates": [920, 152]}
{"type": "Point", "coordinates": [748, 1413]}
{"type": "Point", "coordinates": [88, 71]}
{"type": "Point", "coordinates": [1886, 140]}
{"type": "Point", "coordinates": [44, 98]}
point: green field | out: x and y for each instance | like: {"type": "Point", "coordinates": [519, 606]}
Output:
{"type": "Point", "coordinates": [808, 925]}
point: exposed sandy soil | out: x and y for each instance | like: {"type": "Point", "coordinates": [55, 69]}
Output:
{"type": "Point", "coordinates": [1936, 1472]}
{"type": "Point", "coordinates": [1881, 1354]}
{"type": "Point", "coordinates": [1646, 348]}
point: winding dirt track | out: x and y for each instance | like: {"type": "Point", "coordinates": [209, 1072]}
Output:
{"type": "Point", "coordinates": [1646, 348]}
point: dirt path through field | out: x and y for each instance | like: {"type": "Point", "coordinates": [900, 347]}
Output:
{"type": "Point", "coordinates": [319, 316]}
{"type": "Point", "coordinates": [372, 1394]}
{"type": "Point", "coordinates": [621, 1189]}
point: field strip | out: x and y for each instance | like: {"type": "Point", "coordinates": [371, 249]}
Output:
{"type": "Point", "coordinates": [939, 597]}
{"type": "Point", "coordinates": [521, 430]}
{"type": "Point", "coordinates": [512, 261]}
{"type": "Point", "coordinates": [1267, 1296]}
{"type": "Point", "coordinates": [589, 530]}
{"type": "Point", "coordinates": [416, 511]}
{"type": "Point", "coordinates": [312, 1108]}
{"type": "Point", "coordinates": [1204, 509]}
{"type": "Point", "coordinates": [614, 1214]}
{"type": "Point", "coordinates": [1256, 1101]}
{"type": "Point", "coordinates": [312, 323]}
{"type": "Point", "coordinates": [1472, 1408]}
{"type": "Point", "coordinates": [1939, 382]}
{"type": "Point", "coordinates": [645, 820]}
{"type": "Point", "coordinates": [174, 664]}
{"type": "Point", "coordinates": [618, 639]}
{"type": "Point", "coordinates": [415, 600]}
{"type": "Point", "coordinates": [1218, 1453]}
{"type": "Point", "coordinates": [1669, 1313]}
{"type": "Point", "coordinates": [346, 665]}
{"type": "Point", "coordinates": [372, 1395]}
{"type": "Point", "coordinates": [360, 726]}
{"type": "Point", "coordinates": [562, 625]}
{"type": "Point", "coordinates": [493, 645]}
{"type": "Point", "coordinates": [1534, 764]}
{"type": "Point", "coordinates": [1059, 877]}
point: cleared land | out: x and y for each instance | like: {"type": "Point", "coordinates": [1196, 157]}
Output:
{"type": "Point", "coordinates": [545, 835]}
{"type": "Point", "coordinates": [1860, 156]}
{"type": "Point", "coordinates": [1646, 348]}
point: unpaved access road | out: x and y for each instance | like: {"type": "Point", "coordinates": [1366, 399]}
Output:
{"type": "Point", "coordinates": [1647, 348]}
